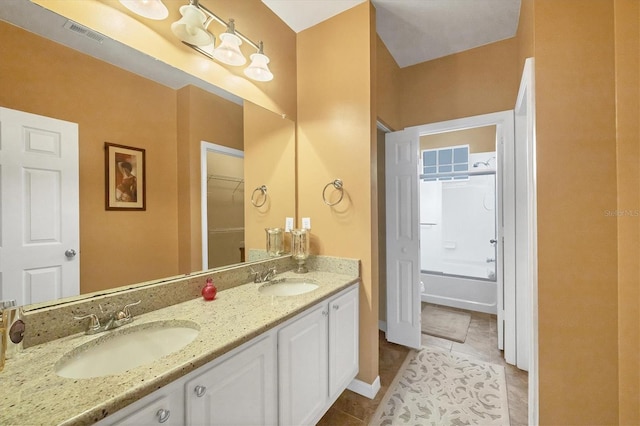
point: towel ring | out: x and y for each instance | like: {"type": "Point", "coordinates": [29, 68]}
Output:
{"type": "Point", "coordinates": [337, 184]}
{"type": "Point", "coordinates": [263, 192]}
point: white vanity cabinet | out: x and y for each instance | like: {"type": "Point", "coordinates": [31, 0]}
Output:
{"type": "Point", "coordinates": [241, 390]}
{"type": "Point", "coordinates": [289, 375]}
{"type": "Point", "coordinates": [343, 341]}
{"type": "Point", "coordinates": [317, 358]}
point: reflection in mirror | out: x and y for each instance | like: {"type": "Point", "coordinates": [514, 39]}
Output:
{"type": "Point", "coordinates": [110, 104]}
{"type": "Point", "coordinates": [223, 239]}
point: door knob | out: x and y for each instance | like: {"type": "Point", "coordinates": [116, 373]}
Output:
{"type": "Point", "coordinates": [70, 253]}
{"type": "Point", "coordinates": [493, 241]}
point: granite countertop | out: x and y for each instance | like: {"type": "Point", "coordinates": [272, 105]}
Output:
{"type": "Point", "coordinates": [32, 393]}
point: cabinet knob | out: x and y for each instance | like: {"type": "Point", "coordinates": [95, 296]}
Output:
{"type": "Point", "coordinates": [325, 313]}
{"type": "Point", "coordinates": [200, 390]}
{"type": "Point", "coordinates": [163, 415]}
{"type": "Point", "coordinates": [336, 307]}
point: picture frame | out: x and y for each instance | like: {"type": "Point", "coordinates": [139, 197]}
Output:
{"type": "Point", "coordinates": [124, 177]}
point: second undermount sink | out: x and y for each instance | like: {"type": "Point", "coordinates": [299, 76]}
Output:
{"type": "Point", "coordinates": [121, 350]}
{"type": "Point", "coordinates": [288, 286]}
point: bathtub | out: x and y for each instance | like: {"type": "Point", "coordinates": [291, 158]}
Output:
{"type": "Point", "coordinates": [472, 294]}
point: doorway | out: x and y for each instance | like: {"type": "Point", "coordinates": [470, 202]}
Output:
{"type": "Point", "coordinates": [222, 192]}
{"type": "Point", "coordinates": [403, 228]}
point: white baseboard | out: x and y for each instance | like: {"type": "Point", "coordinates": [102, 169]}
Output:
{"type": "Point", "coordinates": [382, 325]}
{"type": "Point", "coordinates": [365, 389]}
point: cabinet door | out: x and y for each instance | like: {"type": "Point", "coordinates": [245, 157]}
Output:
{"type": "Point", "coordinates": [343, 341]}
{"type": "Point", "coordinates": [241, 390]}
{"type": "Point", "coordinates": [302, 368]}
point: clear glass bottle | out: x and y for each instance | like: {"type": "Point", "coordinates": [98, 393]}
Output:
{"type": "Point", "coordinates": [275, 241]}
{"type": "Point", "coordinates": [300, 248]}
{"type": "Point", "coordinates": [13, 328]}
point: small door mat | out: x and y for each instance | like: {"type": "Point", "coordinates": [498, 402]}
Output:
{"type": "Point", "coordinates": [445, 323]}
{"type": "Point", "coordinates": [435, 387]}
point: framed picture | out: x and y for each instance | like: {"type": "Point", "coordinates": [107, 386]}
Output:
{"type": "Point", "coordinates": [125, 178]}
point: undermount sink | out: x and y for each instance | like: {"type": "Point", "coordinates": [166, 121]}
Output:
{"type": "Point", "coordinates": [288, 286]}
{"type": "Point", "coordinates": [121, 350]}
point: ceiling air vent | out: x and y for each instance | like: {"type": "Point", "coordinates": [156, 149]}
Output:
{"type": "Point", "coordinates": [84, 31]}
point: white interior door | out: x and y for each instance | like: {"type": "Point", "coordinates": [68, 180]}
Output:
{"type": "Point", "coordinates": [403, 239]}
{"type": "Point", "coordinates": [527, 235]}
{"type": "Point", "coordinates": [39, 219]}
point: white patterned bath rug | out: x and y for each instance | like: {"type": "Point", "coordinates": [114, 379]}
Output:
{"type": "Point", "coordinates": [435, 387]}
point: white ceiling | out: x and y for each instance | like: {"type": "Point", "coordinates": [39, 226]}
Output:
{"type": "Point", "coordinates": [416, 31]}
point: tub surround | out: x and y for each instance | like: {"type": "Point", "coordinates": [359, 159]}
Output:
{"type": "Point", "coordinates": [35, 394]}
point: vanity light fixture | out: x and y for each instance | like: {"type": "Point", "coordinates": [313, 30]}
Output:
{"type": "Point", "coordinates": [191, 30]}
{"type": "Point", "coordinates": [152, 9]}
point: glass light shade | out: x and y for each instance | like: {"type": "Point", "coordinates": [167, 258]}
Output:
{"type": "Point", "coordinates": [152, 9]}
{"type": "Point", "coordinates": [210, 48]}
{"type": "Point", "coordinates": [229, 50]}
{"type": "Point", "coordinates": [259, 70]}
{"type": "Point", "coordinates": [190, 28]}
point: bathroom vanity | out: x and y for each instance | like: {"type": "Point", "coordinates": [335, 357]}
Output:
{"type": "Point", "coordinates": [258, 358]}
{"type": "Point", "coordinates": [288, 375]}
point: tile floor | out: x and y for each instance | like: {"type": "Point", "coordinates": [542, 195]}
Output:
{"type": "Point", "coordinates": [481, 343]}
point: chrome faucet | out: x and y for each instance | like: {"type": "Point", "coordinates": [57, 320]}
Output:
{"type": "Point", "coordinates": [113, 320]}
{"type": "Point", "coordinates": [265, 276]}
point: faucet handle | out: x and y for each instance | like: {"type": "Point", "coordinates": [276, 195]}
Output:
{"type": "Point", "coordinates": [126, 311]}
{"type": "Point", "coordinates": [255, 275]}
{"type": "Point", "coordinates": [94, 322]}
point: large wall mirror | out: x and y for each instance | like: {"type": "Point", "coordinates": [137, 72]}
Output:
{"type": "Point", "coordinates": [169, 114]}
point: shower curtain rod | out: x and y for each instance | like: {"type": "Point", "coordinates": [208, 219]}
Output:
{"type": "Point", "coordinates": [462, 173]}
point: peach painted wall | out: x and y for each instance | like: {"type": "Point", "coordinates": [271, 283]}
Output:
{"type": "Point", "coordinates": [577, 243]}
{"type": "Point", "coordinates": [116, 247]}
{"type": "Point", "coordinates": [477, 81]}
{"type": "Point", "coordinates": [336, 136]}
{"type": "Point", "coordinates": [627, 39]}
{"type": "Point", "coordinates": [479, 139]}
{"type": "Point", "coordinates": [270, 159]}
{"type": "Point", "coordinates": [201, 117]}
{"type": "Point", "coordinates": [388, 87]}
